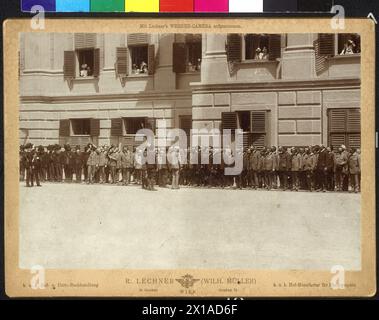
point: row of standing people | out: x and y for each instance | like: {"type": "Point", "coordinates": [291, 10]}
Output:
{"type": "Point", "coordinates": [312, 168]}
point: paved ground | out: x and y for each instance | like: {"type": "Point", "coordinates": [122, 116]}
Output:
{"type": "Point", "coordinates": [81, 226]}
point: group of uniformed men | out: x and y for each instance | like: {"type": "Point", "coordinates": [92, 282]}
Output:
{"type": "Point", "coordinates": [310, 168]}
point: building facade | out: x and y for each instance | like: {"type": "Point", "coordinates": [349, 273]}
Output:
{"type": "Point", "coordinates": [279, 89]}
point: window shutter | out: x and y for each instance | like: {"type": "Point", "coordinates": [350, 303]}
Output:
{"type": "Point", "coordinates": [353, 120]}
{"type": "Point", "coordinates": [258, 128]}
{"type": "Point", "coordinates": [95, 127]}
{"type": "Point", "coordinates": [116, 127]}
{"type": "Point", "coordinates": [258, 121]}
{"type": "Point", "coordinates": [151, 59]}
{"type": "Point", "coordinates": [96, 62]}
{"type": "Point", "coordinates": [69, 65]}
{"type": "Point", "coordinates": [85, 40]}
{"type": "Point", "coordinates": [137, 39]}
{"type": "Point", "coordinates": [326, 44]}
{"type": "Point", "coordinates": [179, 57]}
{"type": "Point", "coordinates": [64, 128]}
{"type": "Point", "coordinates": [234, 47]}
{"type": "Point", "coordinates": [247, 138]}
{"type": "Point", "coordinates": [229, 120]}
{"type": "Point", "coordinates": [337, 139]}
{"type": "Point", "coordinates": [122, 61]}
{"type": "Point", "coordinates": [275, 46]}
{"type": "Point", "coordinates": [337, 120]}
{"type": "Point", "coordinates": [345, 127]}
{"type": "Point", "coordinates": [150, 124]}
{"type": "Point", "coordinates": [321, 61]}
{"type": "Point", "coordinates": [354, 140]}
{"type": "Point", "coordinates": [258, 140]}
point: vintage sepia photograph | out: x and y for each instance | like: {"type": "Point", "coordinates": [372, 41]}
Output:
{"type": "Point", "coordinates": [193, 163]}
{"type": "Point", "coordinates": [295, 98]}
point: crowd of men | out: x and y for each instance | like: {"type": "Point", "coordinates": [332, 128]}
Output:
{"type": "Point", "coordinates": [313, 168]}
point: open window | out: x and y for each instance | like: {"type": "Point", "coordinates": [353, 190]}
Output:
{"type": "Point", "coordinates": [258, 47]}
{"type": "Point", "coordinates": [333, 44]}
{"type": "Point", "coordinates": [187, 55]}
{"type": "Point", "coordinates": [254, 125]}
{"type": "Point", "coordinates": [84, 61]}
{"type": "Point", "coordinates": [348, 43]}
{"type": "Point", "coordinates": [132, 125]}
{"type": "Point", "coordinates": [79, 127]}
{"type": "Point", "coordinates": [138, 57]}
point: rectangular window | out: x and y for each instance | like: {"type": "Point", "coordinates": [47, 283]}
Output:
{"type": "Point", "coordinates": [139, 56]}
{"type": "Point", "coordinates": [344, 127]}
{"type": "Point", "coordinates": [187, 54]}
{"type": "Point", "coordinates": [81, 127]}
{"type": "Point", "coordinates": [256, 47]}
{"type": "Point", "coordinates": [193, 54]}
{"type": "Point", "coordinates": [254, 124]}
{"type": "Point", "coordinates": [132, 125]}
{"type": "Point", "coordinates": [349, 43]}
{"type": "Point", "coordinates": [86, 62]}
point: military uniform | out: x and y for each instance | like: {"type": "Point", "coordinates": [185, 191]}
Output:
{"type": "Point", "coordinates": [35, 167]}
{"type": "Point", "coordinates": [127, 166]}
{"type": "Point", "coordinates": [284, 167]}
{"type": "Point", "coordinates": [309, 166]}
{"type": "Point", "coordinates": [92, 165]}
{"type": "Point", "coordinates": [354, 164]}
{"type": "Point", "coordinates": [341, 169]}
{"type": "Point", "coordinates": [295, 168]}
{"type": "Point", "coordinates": [77, 165]}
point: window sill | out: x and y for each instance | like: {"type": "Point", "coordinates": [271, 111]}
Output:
{"type": "Point", "coordinates": [345, 56]}
{"type": "Point", "coordinates": [90, 79]}
{"type": "Point", "coordinates": [190, 72]}
{"type": "Point", "coordinates": [139, 75]}
{"type": "Point", "coordinates": [252, 61]}
{"type": "Point", "coordinates": [81, 135]}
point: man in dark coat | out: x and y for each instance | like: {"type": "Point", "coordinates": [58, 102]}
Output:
{"type": "Point", "coordinates": [284, 167]}
{"type": "Point", "coordinates": [77, 164]}
{"type": "Point", "coordinates": [322, 169]}
{"type": "Point", "coordinates": [35, 168]}
{"type": "Point", "coordinates": [27, 163]}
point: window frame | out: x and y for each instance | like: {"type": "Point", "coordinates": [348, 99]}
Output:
{"type": "Point", "coordinates": [125, 124]}
{"type": "Point", "coordinates": [77, 54]}
{"type": "Point", "coordinates": [188, 44]}
{"type": "Point", "coordinates": [253, 60]}
{"type": "Point", "coordinates": [73, 134]}
{"type": "Point", "coordinates": [346, 132]}
{"type": "Point", "coordinates": [130, 57]}
{"type": "Point", "coordinates": [337, 45]}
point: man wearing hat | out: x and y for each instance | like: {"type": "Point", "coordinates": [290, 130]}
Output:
{"type": "Point", "coordinates": [35, 168]}
{"type": "Point", "coordinates": [296, 165]}
{"type": "Point", "coordinates": [341, 167]}
{"type": "Point", "coordinates": [354, 163]}
{"type": "Point", "coordinates": [322, 169]}
{"type": "Point", "coordinates": [77, 164]}
{"type": "Point", "coordinates": [22, 164]}
{"type": "Point", "coordinates": [92, 164]}
{"type": "Point", "coordinates": [27, 163]}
